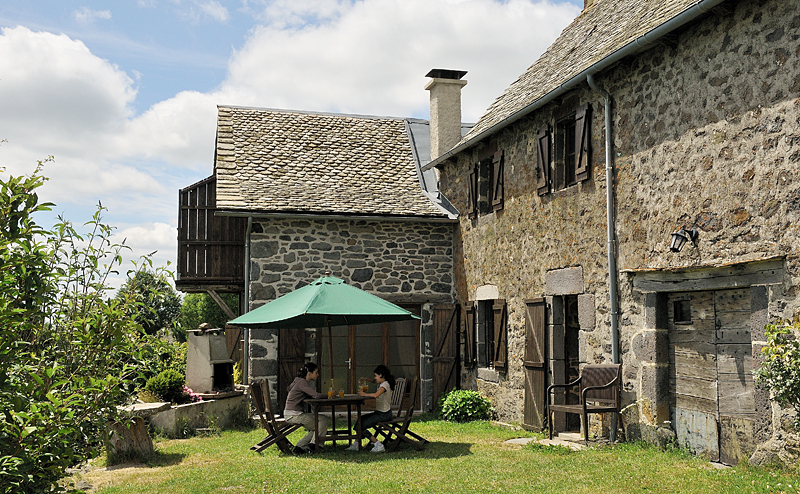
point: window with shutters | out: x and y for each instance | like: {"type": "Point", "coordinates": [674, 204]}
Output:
{"type": "Point", "coordinates": [486, 187]}
{"type": "Point", "coordinates": [490, 319]}
{"type": "Point", "coordinates": [562, 154]}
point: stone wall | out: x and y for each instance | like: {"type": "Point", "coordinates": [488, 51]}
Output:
{"type": "Point", "coordinates": [706, 133]}
{"type": "Point", "coordinates": [401, 261]}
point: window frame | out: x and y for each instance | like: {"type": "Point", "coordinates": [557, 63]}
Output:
{"type": "Point", "coordinates": [563, 149]}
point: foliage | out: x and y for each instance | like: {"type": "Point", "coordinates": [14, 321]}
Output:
{"type": "Point", "coordinates": [157, 303]}
{"type": "Point", "coordinates": [157, 354]}
{"type": "Point", "coordinates": [780, 369]}
{"type": "Point", "coordinates": [169, 385]}
{"type": "Point", "coordinates": [461, 458]}
{"type": "Point", "coordinates": [463, 405]}
{"type": "Point", "coordinates": [67, 348]}
{"type": "Point", "coordinates": [200, 308]}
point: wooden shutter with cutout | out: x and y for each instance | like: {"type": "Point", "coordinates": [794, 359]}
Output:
{"type": "Point", "coordinates": [535, 365]}
{"type": "Point", "coordinates": [500, 357]}
{"type": "Point", "coordinates": [583, 133]}
{"type": "Point", "coordinates": [472, 192]}
{"type": "Point", "coordinates": [497, 181]}
{"type": "Point", "coordinates": [543, 160]}
{"type": "Point", "coordinates": [469, 334]}
{"type": "Point", "coordinates": [445, 349]}
{"type": "Point", "coordinates": [291, 352]}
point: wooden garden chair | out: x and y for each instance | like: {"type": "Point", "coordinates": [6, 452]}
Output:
{"type": "Point", "coordinates": [277, 428]}
{"type": "Point", "coordinates": [397, 395]}
{"type": "Point", "coordinates": [396, 431]}
{"type": "Point", "coordinates": [599, 393]}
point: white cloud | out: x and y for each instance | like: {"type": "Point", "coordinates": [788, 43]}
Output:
{"type": "Point", "coordinates": [85, 15]}
{"type": "Point", "coordinates": [214, 10]}
{"type": "Point", "coordinates": [366, 56]}
{"type": "Point", "coordinates": [371, 57]}
{"type": "Point", "coordinates": [58, 93]}
{"type": "Point", "coordinates": [200, 10]}
{"type": "Point", "coordinates": [148, 238]}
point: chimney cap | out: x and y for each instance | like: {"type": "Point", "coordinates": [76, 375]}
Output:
{"type": "Point", "coordinates": [446, 74]}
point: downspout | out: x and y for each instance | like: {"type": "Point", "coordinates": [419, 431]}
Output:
{"type": "Point", "coordinates": [246, 349]}
{"type": "Point", "coordinates": [611, 237]}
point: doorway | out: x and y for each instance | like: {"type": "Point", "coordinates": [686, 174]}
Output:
{"type": "Point", "coordinates": [357, 350]}
{"type": "Point", "coordinates": [712, 405]}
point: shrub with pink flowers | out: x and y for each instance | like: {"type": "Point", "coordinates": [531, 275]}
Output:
{"type": "Point", "coordinates": [193, 397]}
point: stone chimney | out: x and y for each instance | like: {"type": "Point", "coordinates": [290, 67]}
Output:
{"type": "Point", "coordinates": [445, 87]}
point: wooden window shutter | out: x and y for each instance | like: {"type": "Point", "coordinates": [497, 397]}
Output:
{"type": "Point", "coordinates": [500, 310]}
{"type": "Point", "coordinates": [543, 160]}
{"type": "Point", "coordinates": [498, 185]}
{"type": "Point", "coordinates": [472, 193]}
{"type": "Point", "coordinates": [583, 133]}
{"type": "Point", "coordinates": [469, 334]}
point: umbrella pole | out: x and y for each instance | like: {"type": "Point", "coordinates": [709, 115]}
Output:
{"type": "Point", "coordinates": [330, 347]}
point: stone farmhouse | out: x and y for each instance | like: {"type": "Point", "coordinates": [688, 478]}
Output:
{"type": "Point", "coordinates": [296, 194]}
{"type": "Point", "coordinates": [644, 119]}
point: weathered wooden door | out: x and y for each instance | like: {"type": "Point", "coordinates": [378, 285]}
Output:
{"type": "Point", "coordinates": [713, 407]}
{"type": "Point", "coordinates": [291, 351]}
{"type": "Point", "coordinates": [446, 323]}
{"type": "Point", "coordinates": [534, 364]}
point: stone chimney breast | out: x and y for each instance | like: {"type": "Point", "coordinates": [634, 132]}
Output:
{"type": "Point", "coordinates": [445, 87]}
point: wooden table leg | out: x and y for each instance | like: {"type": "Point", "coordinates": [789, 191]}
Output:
{"type": "Point", "coordinates": [316, 429]}
{"type": "Point", "coordinates": [333, 424]}
{"type": "Point", "coordinates": [358, 432]}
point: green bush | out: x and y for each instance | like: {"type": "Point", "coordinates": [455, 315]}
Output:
{"type": "Point", "coordinates": [68, 350]}
{"type": "Point", "coordinates": [461, 405]}
{"type": "Point", "coordinates": [780, 369]}
{"type": "Point", "coordinates": [168, 384]}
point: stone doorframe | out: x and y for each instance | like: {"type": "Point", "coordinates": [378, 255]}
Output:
{"type": "Point", "coordinates": [651, 345]}
{"type": "Point", "coordinates": [558, 284]}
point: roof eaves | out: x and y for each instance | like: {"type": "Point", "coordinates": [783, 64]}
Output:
{"type": "Point", "coordinates": [645, 40]}
{"type": "Point", "coordinates": [355, 216]}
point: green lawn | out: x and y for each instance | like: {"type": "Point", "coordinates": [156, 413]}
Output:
{"type": "Point", "coordinates": [461, 458]}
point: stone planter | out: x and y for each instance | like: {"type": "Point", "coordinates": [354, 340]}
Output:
{"type": "Point", "coordinates": [217, 413]}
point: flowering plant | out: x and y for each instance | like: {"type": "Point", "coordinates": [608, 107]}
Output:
{"type": "Point", "coordinates": [193, 397]}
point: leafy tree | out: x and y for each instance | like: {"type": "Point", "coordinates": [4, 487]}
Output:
{"type": "Point", "coordinates": [158, 304]}
{"type": "Point", "coordinates": [68, 350]}
{"type": "Point", "coordinates": [200, 307]}
{"type": "Point", "coordinates": [780, 369]}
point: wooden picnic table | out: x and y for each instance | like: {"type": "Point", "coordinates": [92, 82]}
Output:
{"type": "Point", "coordinates": [351, 402]}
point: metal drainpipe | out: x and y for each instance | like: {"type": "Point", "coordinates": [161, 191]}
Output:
{"type": "Point", "coordinates": [246, 349]}
{"type": "Point", "coordinates": [611, 240]}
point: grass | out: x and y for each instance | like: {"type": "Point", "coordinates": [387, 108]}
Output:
{"type": "Point", "coordinates": [462, 458]}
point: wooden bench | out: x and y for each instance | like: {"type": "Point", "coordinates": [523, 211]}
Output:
{"type": "Point", "coordinates": [599, 393]}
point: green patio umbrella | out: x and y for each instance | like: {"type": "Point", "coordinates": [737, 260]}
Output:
{"type": "Point", "coordinates": [327, 301]}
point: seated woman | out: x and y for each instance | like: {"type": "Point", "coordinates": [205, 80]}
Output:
{"type": "Point", "coordinates": [301, 389]}
{"type": "Point", "coordinates": [383, 407]}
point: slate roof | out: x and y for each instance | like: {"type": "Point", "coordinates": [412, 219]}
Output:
{"type": "Point", "coordinates": [281, 161]}
{"type": "Point", "coordinates": [599, 31]}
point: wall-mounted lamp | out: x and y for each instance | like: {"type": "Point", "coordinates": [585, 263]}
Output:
{"type": "Point", "coordinates": [681, 236]}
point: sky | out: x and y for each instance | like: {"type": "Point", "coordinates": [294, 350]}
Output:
{"type": "Point", "coordinates": [123, 94]}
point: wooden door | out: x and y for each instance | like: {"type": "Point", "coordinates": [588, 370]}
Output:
{"type": "Point", "coordinates": [534, 364]}
{"type": "Point", "coordinates": [734, 375]}
{"type": "Point", "coordinates": [445, 349]}
{"type": "Point", "coordinates": [291, 351]}
{"type": "Point", "coordinates": [357, 350]}
{"type": "Point", "coordinates": [711, 382]}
